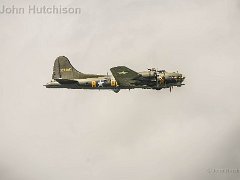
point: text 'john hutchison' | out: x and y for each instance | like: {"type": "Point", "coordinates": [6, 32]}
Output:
{"type": "Point", "coordinates": [33, 9]}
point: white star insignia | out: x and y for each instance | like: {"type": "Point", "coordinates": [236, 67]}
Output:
{"type": "Point", "coordinates": [100, 83]}
{"type": "Point", "coordinates": [123, 72]}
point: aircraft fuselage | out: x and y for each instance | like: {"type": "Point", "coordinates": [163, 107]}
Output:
{"type": "Point", "coordinates": [66, 76]}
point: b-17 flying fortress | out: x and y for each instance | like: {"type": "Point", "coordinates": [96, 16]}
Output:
{"type": "Point", "coordinates": [66, 76]}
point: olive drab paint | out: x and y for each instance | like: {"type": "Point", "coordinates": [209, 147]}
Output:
{"type": "Point", "coordinates": [66, 76]}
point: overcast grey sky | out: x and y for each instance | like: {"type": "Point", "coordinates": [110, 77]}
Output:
{"type": "Point", "coordinates": [52, 134]}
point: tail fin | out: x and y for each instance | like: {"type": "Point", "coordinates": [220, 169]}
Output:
{"type": "Point", "coordinates": [63, 69]}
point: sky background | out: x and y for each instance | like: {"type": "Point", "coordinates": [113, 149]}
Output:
{"type": "Point", "coordinates": [59, 134]}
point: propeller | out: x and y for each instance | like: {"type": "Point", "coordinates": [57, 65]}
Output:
{"type": "Point", "coordinates": [157, 84]}
{"type": "Point", "coordinates": [156, 76]}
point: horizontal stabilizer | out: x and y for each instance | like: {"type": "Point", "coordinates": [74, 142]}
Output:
{"type": "Point", "coordinates": [66, 81]}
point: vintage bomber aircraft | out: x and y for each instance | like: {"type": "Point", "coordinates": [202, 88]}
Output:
{"type": "Point", "coordinates": [66, 76]}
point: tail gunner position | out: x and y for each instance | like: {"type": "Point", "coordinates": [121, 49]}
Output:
{"type": "Point", "coordinates": [66, 76]}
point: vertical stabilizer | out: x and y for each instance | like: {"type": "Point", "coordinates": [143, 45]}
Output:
{"type": "Point", "coordinates": [63, 69]}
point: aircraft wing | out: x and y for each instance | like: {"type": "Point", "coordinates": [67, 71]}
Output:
{"type": "Point", "coordinates": [124, 76]}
